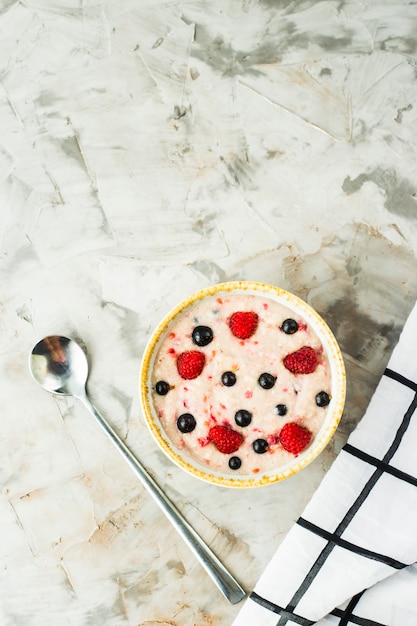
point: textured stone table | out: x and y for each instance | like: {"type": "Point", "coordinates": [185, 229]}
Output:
{"type": "Point", "coordinates": [148, 149]}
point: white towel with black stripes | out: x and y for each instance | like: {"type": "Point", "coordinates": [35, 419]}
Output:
{"type": "Point", "coordinates": [351, 557]}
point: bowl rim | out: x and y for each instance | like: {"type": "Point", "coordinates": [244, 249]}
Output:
{"type": "Point", "coordinates": [338, 373]}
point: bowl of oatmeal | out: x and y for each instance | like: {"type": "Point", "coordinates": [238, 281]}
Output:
{"type": "Point", "coordinates": [242, 384]}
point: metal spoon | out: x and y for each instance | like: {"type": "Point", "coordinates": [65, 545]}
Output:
{"type": "Point", "coordinates": [60, 366]}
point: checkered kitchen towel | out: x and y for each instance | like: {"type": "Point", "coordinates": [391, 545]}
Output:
{"type": "Point", "coordinates": [350, 557]}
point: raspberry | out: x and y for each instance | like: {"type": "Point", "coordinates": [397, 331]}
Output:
{"type": "Point", "coordinates": [302, 361]}
{"type": "Point", "coordinates": [294, 438]}
{"type": "Point", "coordinates": [225, 439]}
{"type": "Point", "coordinates": [190, 364]}
{"type": "Point", "coordinates": [243, 324]}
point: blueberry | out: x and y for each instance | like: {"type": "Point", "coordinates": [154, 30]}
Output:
{"type": "Point", "coordinates": [260, 446]}
{"type": "Point", "coordinates": [202, 335]}
{"type": "Point", "coordinates": [281, 409]}
{"type": "Point", "coordinates": [186, 423]}
{"type": "Point", "coordinates": [228, 379]}
{"type": "Point", "coordinates": [162, 387]}
{"type": "Point", "coordinates": [234, 462]}
{"type": "Point", "coordinates": [266, 381]}
{"type": "Point", "coordinates": [243, 417]}
{"type": "Point", "coordinates": [289, 326]}
{"type": "Point", "coordinates": [322, 398]}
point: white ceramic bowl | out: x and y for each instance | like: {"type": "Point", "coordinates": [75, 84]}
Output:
{"type": "Point", "coordinates": [299, 310]}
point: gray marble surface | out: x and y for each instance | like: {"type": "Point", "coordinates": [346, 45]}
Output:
{"type": "Point", "coordinates": [149, 149]}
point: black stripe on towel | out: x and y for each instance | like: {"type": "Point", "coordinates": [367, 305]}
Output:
{"type": "Point", "coordinates": [355, 619]}
{"type": "Point", "coordinates": [366, 490]}
{"type": "Point", "coordinates": [347, 613]}
{"type": "Point", "coordinates": [372, 460]}
{"type": "Point", "coordinates": [274, 608]}
{"type": "Point", "coordinates": [400, 379]}
{"type": "Point", "coordinates": [347, 616]}
{"type": "Point", "coordinates": [334, 538]}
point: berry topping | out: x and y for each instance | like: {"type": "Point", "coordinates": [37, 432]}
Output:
{"type": "Point", "coordinates": [322, 398]}
{"type": "Point", "coordinates": [243, 324]}
{"type": "Point", "coordinates": [202, 335]}
{"type": "Point", "coordinates": [190, 364]}
{"type": "Point", "coordinates": [294, 438]}
{"type": "Point", "coordinates": [243, 418]}
{"type": "Point", "coordinates": [228, 379]}
{"type": "Point", "coordinates": [281, 410]}
{"type": "Point", "coordinates": [234, 462]}
{"type": "Point", "coordinates": [162, 388]}
{"type": "Point", "coordinates": [225, 439]}
{"type": "Point", "coordinates": [186, 423]}
{"type": "Point", "coordinates": [302, 361]}
{"type": "Point", "coordinates": [260, 446]}
{"type": "Point", "coordinates": [266, 381]}
{"type": "Point", "coordinates": [289, 326]}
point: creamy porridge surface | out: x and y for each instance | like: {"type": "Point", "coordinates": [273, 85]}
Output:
{"type": "Point", "coordinates": [241, 384]}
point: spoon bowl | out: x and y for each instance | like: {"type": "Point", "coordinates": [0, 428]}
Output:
{"type": "Point", "coordinates": [60, 366]}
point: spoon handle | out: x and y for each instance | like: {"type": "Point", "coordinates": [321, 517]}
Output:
{"type": "Point", "coordinates": [229, 587]}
